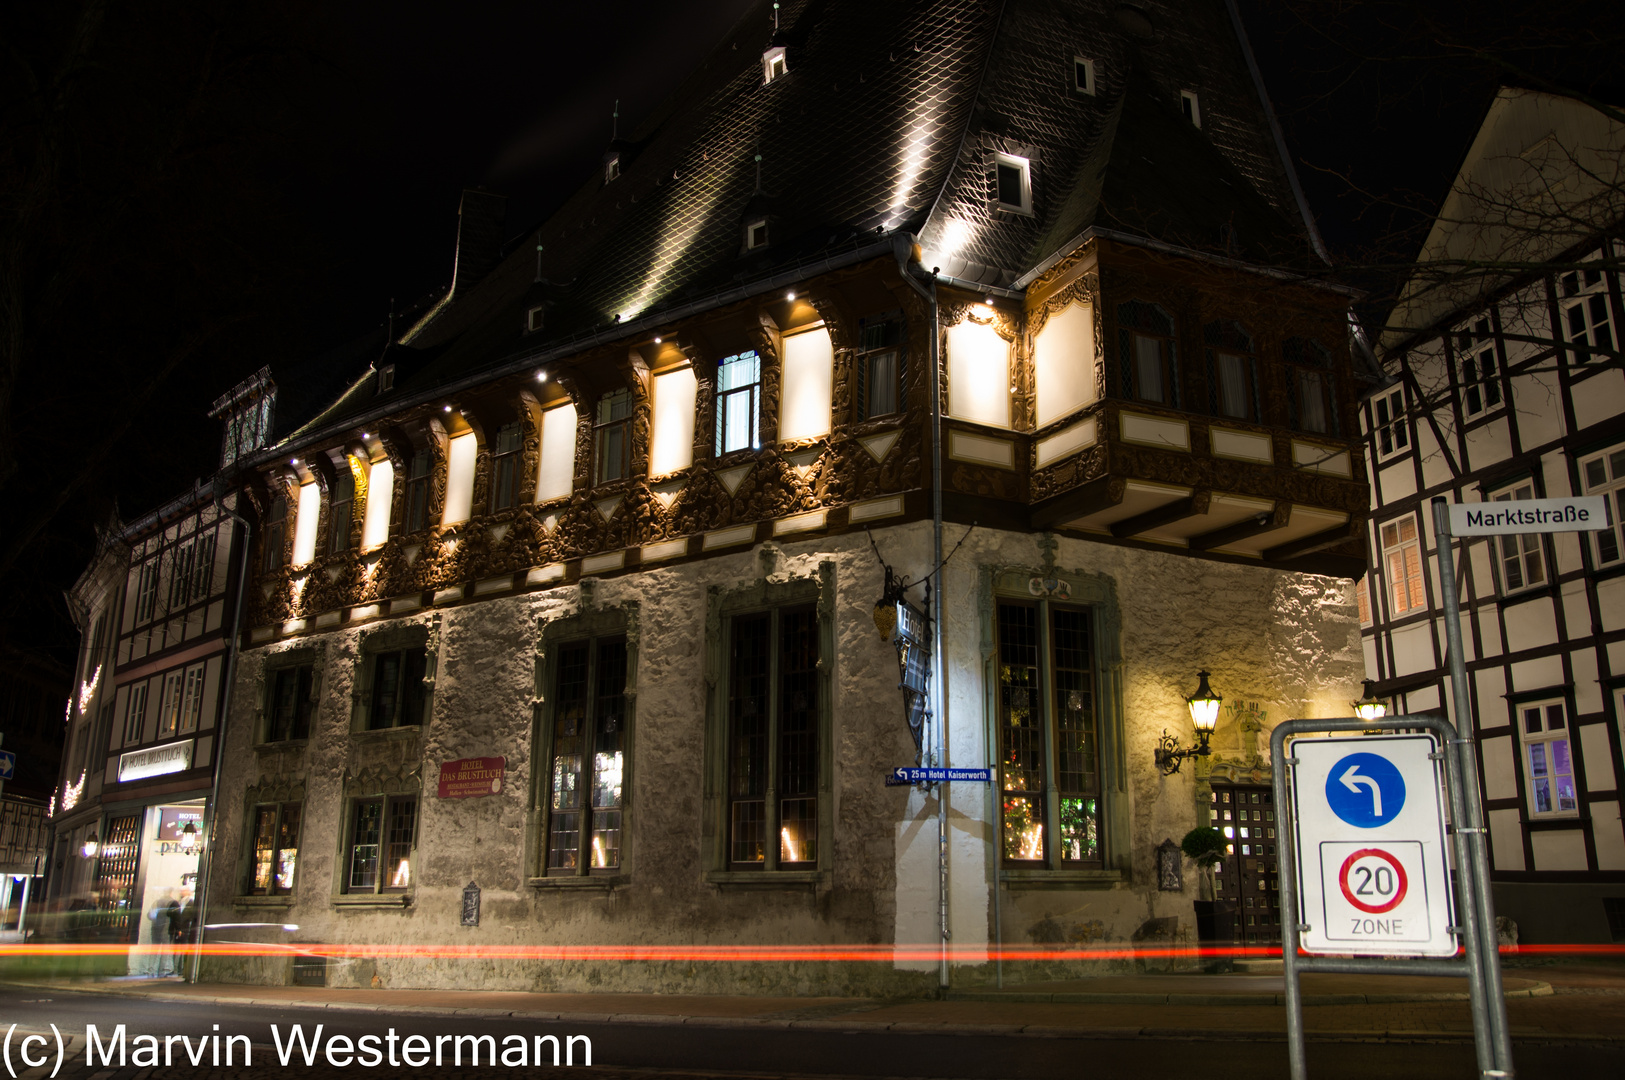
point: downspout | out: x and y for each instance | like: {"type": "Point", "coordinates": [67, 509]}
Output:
{"type": "Point", "coordinates": [905, 247]}
{"type": "Point", "coordinates": [206, 860]}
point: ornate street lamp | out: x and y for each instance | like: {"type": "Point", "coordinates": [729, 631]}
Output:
{"type": "Point", "coordinates": [91, 846]}
{"type": "Point", "coordinates": [1370, 707]}
{"type": "Point", "coordinates": [189, 839]}
{"type": "Point", "coordinates": [1204, 707]}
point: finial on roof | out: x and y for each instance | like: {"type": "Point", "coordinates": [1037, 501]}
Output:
{"type": "Point", "coordinates": [538, 260]}
{"type": "Point", "coordinates": [775, 16]}
{"type": "Point", "coordinates": [759, 171]}
{"type": "Point", "coordinates": [615, 122]}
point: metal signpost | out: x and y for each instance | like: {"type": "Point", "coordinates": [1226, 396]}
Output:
{"type": "Point", "coordinates": [1364, 881]}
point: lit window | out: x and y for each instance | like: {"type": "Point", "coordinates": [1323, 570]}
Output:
{"type": "Point", "coordinates": [1519, 554]}
{"type": "Point", "coordinates": [1392, 430]}
{"type": "Point", "coordinates": [880, 370]}
{"type": "Point", "coordinates": [275, 850]}
{"type": "Point", "coordinates": [612, 433]}
{"type": "Point", "coordinates": [774, 739]}
{"type": "Point", "coordinates": [505, 467]}
{"type": "Point", "coordinates": [1148, 353]}
{"type": "Point", "coordinates": [1232, 371]}
{"type": "Point", "coordinates": [393, 696]}
{"type": "Point", "coordinates": [1190, 107]}
{"type": "Point", "coordinates": [1547, 759]}
{"type": "Point", "coordinates": [192, 699]}
{"type": "Point", "coordinates": [1402, 561]}
{"type": "Point", "coordinates": [1012, 183]}
{"type": "Point", "coordinates": [1604, 474]}
{"type": "Point", "coordinates": [773, 64]}
{"type": "Point", "coordinates": [612, 170]}
{"type": "Point", "coordinates": [1049, 738]}
{"type": "Point", "coordinates": [1584, 302]}
{"type": "Point", "coordinates": [1309, 386]}
{"type": "Point", "coordinates": [382, 833]}
{"type": "Point", "coordinates": [535, 318]}
{"type": "Point", "coordinates": [1083, 75]}
{"type": "Point", "coordinates": [588, 758]}
{"type": "Point", "coordinates": [169, 705]}
{"type": "Point", "coordinates": [739, 396]}
{"type": "Point", "coordinates": [289, 706]}
{"type": "Point", "coordinates": [1362, 600]}
{"type": "Point", "coordinates": [1476, 364]}
{"type": "Point", "coordinates": [756, 234]}
{"type": "Point", "coordinates": [417, 491]}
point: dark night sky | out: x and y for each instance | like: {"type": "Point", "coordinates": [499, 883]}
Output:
{"type": "Point", "coordinates": [380, 114]}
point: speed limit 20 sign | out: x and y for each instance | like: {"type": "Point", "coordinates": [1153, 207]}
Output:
{"type": "Point", "coordinates": [1369, 836]}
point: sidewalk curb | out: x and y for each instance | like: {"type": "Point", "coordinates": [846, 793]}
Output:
{"type": "Point", "coordinates": [910, 1027]}
{"type": "Point", "coordinates": [1540, 989]}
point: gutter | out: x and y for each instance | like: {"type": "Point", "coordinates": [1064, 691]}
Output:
{"type": "Point", "coordinates": [518, 362]}
{"type": "Point", "coordinates": [1095, 232]}
{"type": "Point", "coordinates": [940, 751]}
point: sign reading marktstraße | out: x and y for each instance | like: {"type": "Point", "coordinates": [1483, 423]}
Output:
{"type": "Point", "coordinates": [1582, 514]}
{"type": "Point", "coordinates": [472, 777]}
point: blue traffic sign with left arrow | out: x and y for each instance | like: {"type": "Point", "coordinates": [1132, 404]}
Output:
{"type": "Point", "coordinates": [1365, 790]}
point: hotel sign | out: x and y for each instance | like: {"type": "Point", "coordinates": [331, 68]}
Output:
{"type": "Point", "coordinates": [1529, 516]}
{"type": "Point", "coordinates": [471, 778]}
{"type": "Point", "coordinates": [156, 761]}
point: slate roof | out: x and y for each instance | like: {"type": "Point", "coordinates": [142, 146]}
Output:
{"type": "Point", "coordinates": [886, 121]}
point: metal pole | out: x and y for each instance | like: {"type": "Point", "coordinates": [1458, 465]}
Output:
{"type": "Point", "coordinates": [1286, 868]}
{"type": "Point", "coordinates": [1470, 826]}
{"type": "Point", "coordinates": [22, 912]}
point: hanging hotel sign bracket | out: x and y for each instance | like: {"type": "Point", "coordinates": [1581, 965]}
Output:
{"type": "Point", "coordinates": [908, 628]}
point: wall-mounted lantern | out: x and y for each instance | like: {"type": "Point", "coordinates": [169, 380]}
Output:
{"type": "Point", "coordinates": [908, 629]}
{"type": "Point", "coordinates": [1370, 707]}
{"type": "Point", "coordinates": [91, 846]}
{"type": "Point", "coordinates": [1204, 708]}
{"type": "Point", "coordinates": [189, 839]}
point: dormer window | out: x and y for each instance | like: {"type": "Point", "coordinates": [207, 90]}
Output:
{"type": "Point", "coordinates": [612, 167]}
{"type": "Point", "coordinates": [1013, 183]}
{"type": "Point", "coordinates": [756, 234]}
{"type": "Point", "coordinates": [386, 378]}
{"type": "Point", "coordinates": [1083, 75]}
{"type": "Point", "coordinates": [534, 318]}
{"type": "Point", "coordinates": [773, 66]}
{"type": "Point", "coordinates": [1191, 107]}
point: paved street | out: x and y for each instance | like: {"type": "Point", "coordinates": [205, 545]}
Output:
{"type": "Point", "coordinates": [1566, 1020]}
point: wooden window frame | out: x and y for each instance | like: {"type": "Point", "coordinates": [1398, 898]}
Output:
{"type": "Point", "coordinates": [1545, 740]}
{"type": "Point", "coordinates": [1412, 576]}
{"type": "Point", "coordinates": [280, 812]}
{"type": "Point", "coordinates": [387, 844]}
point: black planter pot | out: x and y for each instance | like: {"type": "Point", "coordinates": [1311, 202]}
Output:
{"type": "Point", "coordinates": [1207, 928]}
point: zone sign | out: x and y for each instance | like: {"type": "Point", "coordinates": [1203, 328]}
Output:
{"type": "Point", "coordinates": [1373, 872]}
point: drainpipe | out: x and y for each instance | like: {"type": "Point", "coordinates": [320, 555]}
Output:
{"type": "Point", "coordinates": [206, 860]}
{"type": "Point", "coordinates": [905, 247]}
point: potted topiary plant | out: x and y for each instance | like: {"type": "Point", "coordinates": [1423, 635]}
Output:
{"type": "Point", "coordinates": [1205, 846]}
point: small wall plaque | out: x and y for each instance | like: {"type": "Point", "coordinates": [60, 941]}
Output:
{"type": "Point", "coordinates": [1170, 871]}
{"type": "Point", "coordinates": [471, 904]}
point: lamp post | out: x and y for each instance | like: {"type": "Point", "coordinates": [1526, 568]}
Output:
{"type": "Point", "coordinates": [1204, 708]}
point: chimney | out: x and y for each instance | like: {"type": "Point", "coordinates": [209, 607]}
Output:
{"type": "Point", "coordinates": [479, 238]}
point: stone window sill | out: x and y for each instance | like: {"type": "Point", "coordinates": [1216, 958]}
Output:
{"type": "Point", "coordinates": [606, 883]}
{"type": "Point", "coordinates": [405, 731]}
{"type": "Point", "coordinates": [373, 900]}
{"type": "Point", "coordinates": [1061, 879]}
{"type": "Point", "coordinates": [767, 879]}
{"type": "Point", "coordinates": [282, 900]}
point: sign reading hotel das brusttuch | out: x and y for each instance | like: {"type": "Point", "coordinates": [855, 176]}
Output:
{"type": "Point", "coordinates": [471, 778]}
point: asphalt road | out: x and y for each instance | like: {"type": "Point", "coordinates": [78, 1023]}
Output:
{"type": "Point", "coordinates": [648, 1051]}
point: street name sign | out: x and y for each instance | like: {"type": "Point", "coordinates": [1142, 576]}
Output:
{"type": "Point", "coordinates": [905, 774]}
{"type": "Point", "coordinates": [1373, 870]}
{"type": "Point", "coordinates": [8, 764]}
{"type": "Point", "coordinates": [1582, 514]}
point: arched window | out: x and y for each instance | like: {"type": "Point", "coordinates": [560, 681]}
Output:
{"type": "Point", "coordinates": [1232, 371]}
{"type": "Point", "coordinates": [1150, 361]}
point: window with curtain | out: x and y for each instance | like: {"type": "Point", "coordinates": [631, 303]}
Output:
{"type": "Point", "coordinates": [1232, 371]}
{"type": "Point", "coordinates": [1309, 387]}
{"type": "Point", "coordinates": [1148, 353]}
{"type": "Point", "coordinates": [1402, 563]}
{"type": "Point", "coordinates": [739, 402]}
{"type": "Point", "coordinates": [612, 434]}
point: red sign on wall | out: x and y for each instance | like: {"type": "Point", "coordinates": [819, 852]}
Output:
{"type": "Point", "coordinates": [471, 777]}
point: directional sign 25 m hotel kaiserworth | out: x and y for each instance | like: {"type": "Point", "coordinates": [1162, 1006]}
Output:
{"type": "Point", "coordinates": [1370, 841]}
